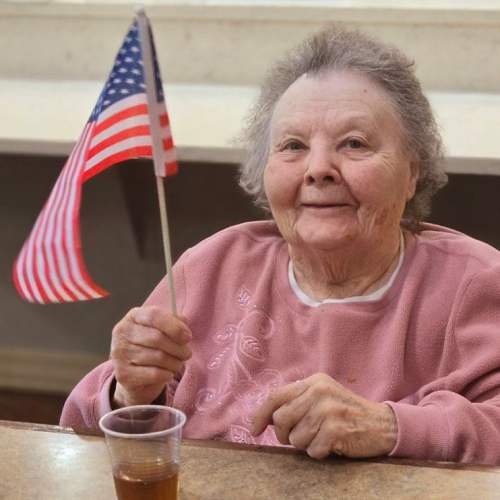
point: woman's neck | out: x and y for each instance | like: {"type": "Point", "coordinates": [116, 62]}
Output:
{"type": "Point", "coordinates": [345, 272]}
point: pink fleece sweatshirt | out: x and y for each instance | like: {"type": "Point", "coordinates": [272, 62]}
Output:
{"type": "Point", "coordinates": [429, 347]}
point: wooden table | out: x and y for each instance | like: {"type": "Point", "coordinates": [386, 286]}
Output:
{"type": "Point", "coordinates": [52, 463]}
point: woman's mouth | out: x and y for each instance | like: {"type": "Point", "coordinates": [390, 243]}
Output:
{"type": "Point", "coordinates": [325, 205]}
{"type": "Point", "coordinates": [326, 209]}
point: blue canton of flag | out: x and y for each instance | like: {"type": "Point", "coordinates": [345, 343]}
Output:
{"type": "Point", "coordinates": [124, 97]}
{"type": "Point", "coordinates": [127, 76]}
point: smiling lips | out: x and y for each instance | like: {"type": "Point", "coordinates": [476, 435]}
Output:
{"type": "Point", "coordinates": [325, 205]}
{"type": "Point", "coordinates": [327, 209]}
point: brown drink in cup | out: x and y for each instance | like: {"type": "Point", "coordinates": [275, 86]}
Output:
{"type": "Point", "coordinates": [161, 488]}
{"type": "Point", "coordinates": [144, 443]}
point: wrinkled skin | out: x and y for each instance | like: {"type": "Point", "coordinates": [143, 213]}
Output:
{"type": "Point", "coordinates": [148, 347]}
{"type": "Point", "coordinates": [337, 180]}
{"type": "Point", "coordinates": [321, 416]}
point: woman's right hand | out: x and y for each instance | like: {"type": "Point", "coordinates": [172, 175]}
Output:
{"type": "Point", "coordinates": [148, 347]}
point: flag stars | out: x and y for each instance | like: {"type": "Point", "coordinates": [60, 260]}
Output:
{"type": "Point", "coordinates": [127, 75]}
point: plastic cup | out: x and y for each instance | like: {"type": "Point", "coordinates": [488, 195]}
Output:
{"type": "Point", "coordinates": [144, 447]}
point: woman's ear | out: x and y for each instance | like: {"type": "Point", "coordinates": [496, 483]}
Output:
{"type": "Point", "coordinates": [412, 183]}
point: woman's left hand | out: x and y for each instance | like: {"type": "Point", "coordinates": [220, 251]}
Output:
{"type": "Point", "coordinates": [321, 416]}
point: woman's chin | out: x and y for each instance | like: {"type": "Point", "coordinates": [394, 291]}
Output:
{"type": "Point", "coordinates": [330, 241]}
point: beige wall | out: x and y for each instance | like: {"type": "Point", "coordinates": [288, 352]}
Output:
{"type": "Point", "coordinates": [234, 42]}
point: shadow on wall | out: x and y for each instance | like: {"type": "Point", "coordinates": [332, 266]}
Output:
{"type": "Point", "coordinates": [122, 242]}
{"type": "Point", "coordinates": [201, 200]}
{"type": "Point", "coordinates": [471, 204]}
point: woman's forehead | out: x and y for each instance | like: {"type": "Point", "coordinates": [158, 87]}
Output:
{"type": "Point", "coordinates": [336, 96]}
{"type": "Point", "coordinates": [336, 82]}
{"type": "Point", "coordinates": [337, 121]}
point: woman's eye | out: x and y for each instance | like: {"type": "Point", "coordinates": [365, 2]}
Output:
{"type": "Point", "coordinates": [354, 144]}
{"type": "Point", "coordinates": [293, 146]}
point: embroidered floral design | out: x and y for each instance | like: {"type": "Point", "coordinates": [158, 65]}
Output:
{"type": "Point", "coordinates": [225, 335]}
{"type": "Point", "coordinates": [239, 434]}
{"type": "Point", "coordinates": [252, 393]}
{"type": "Point", "coordinates": [204, 399]}
{"type": "Point", "coordinates": [251, 347]}
{"type": "Point", "coordinates": [244, 385]}
{"type": "Point", "coordinates": [257, 323]}
{"type": "Point", "coordinates": [243, 297]}
{"type": "Point", "coordinates": [217, 360]}
{"type": "Point", "coordinates": [246, 340]}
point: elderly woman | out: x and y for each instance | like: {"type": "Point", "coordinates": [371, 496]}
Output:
{"type": "Point", "coordinates": [345, 325]}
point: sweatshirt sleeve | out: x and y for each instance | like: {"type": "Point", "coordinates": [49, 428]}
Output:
{"type": "Point", "coordinates": [458, 417]}
{"type": "Point", "coordinates": [89, 400]}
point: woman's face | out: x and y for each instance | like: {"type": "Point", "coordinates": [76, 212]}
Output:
{"type": "Point", "coordinates": [337, 171]}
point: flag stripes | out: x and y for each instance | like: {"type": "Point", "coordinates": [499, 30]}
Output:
{"type": "Point", "coordinates": [50, 266]}
{"type": "Point", "coordinates": [122, 131]}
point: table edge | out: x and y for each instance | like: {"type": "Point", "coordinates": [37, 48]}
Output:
{"type": "Point", "coordinates": [203, 443]}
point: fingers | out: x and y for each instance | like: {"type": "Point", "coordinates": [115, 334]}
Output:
{"type": "Point", "coordinates": [292, 420]}
{"type": "Point", "coordinates": [156, 317]}
{"type": "Point", "coordinates": [310, 423]}
{"type": "Point", "coordinates": [139, 377]}
{"type": "Point", "coordinates": [146, 337]}
{"type": "Point", "coordinates": [321, 416]}
{"type": "Point", "coordinates": [137, 329]}
{"type": "Point", "coordinates": [306, 428]}
{"type": "Point", "coordinates": [324, 442]}
{"type": "Point", "coordinates": [264, 415]}
{"type": "Point", "coordinates": [144, 356]}
{"type": "Point", "coordinates": [149, 346]}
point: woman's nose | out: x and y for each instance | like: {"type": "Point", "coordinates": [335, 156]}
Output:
{"type": "Point", "coordinates": [322, 168]}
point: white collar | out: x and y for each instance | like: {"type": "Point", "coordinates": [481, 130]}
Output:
{"type": "Point", "coordinates": [376, 295]}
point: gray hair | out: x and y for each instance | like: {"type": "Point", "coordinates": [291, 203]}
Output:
{"type": "Point", "coordinates": [335, 49]}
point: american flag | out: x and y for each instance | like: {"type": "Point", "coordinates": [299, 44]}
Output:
{"type": "Point", "coordinates": [50, 267]}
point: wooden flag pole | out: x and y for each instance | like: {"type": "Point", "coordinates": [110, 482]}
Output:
{"type": "Point", "coordinates": [166, 241]}
{"type": "Point", "coordinates": [158, 157]}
